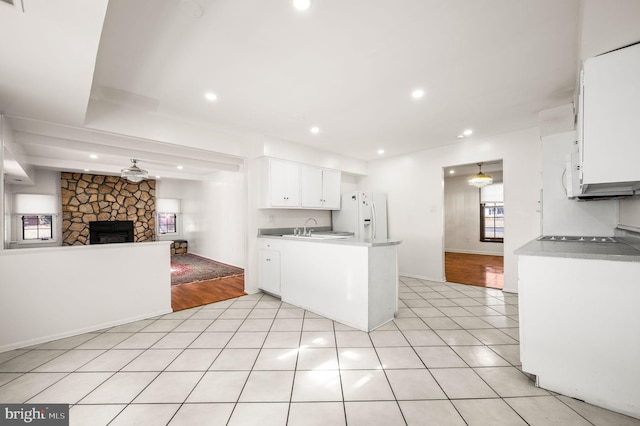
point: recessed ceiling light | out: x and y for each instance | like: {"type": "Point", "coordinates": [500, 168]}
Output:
{"type": "Point", "coordinates": [157, 177]}
{"type": "Point", "coordinates": [460, 136]}
{"type": "Point", "coordinates": [86, 170]}
{"type": "Point", "coordinates": [380, 151]}
{"type": "Point", "coordinates": [180, 167]}
{"type": "Point", "coordinates": [315, 130]}
{"type": "Point", "coordinates": [451, 172]}
{"type": "Point", "coordinates": [301, 4]}
{"type": "Point", "coordinates": [93, 156]}
{"type": "Point", "coordinates": [211, 96]}
{"type": "Point", "coordinates": [468, 132]}
{"type": "Point", "coordinates": [417, 94]}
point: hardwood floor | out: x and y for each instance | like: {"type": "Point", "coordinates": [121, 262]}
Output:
{"type": "Point", "coordinates": [187, 296]}
{"type": "Point", "coordinates": [474, 269]}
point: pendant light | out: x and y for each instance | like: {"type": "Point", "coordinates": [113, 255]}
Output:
{"type": "Point", "coordinates": [134, 173]}
{"type": "Point", "coordinates": [480, 180]}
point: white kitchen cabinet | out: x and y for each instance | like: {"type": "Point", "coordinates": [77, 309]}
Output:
{"type": "Point", "coordinates": [320, 188]}
{"type": "Point", "coordinates": [286, 184]}
{"type": "Point", "coordinates": [280, 184]}
{"type": "Point", "coordinates": [269, 269]}
{"type": "Point", "coordinates": [611, 107]}
{"type": "Point", "coordinates": [579, 327]}
{"type": "Point", "coordinates": [355, 283]}
{"type": "Point", "coordinates": [331, 180]}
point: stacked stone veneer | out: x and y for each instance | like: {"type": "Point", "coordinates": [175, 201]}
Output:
{"type": "Point", "coordinates": [179, 247]}
{"type": "Point", "coordinates": [87, 198]}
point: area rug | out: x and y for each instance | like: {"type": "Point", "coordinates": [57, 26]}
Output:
{"type": "Point", "coordinates": [189, 268]}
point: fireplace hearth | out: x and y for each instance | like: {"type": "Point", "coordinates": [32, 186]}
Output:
{"type": "Point", "coordinates": [111, 231]}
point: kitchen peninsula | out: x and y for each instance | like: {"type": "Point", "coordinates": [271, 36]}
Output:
{"type": "Point", "coordinates": [350, 280]}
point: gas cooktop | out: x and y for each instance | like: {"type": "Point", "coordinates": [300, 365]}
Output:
{"type": "Point", "coordinates": [577, 239]}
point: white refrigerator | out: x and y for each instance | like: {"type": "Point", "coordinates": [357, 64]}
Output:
{"type": "Point", "coordinates": [363, 213]}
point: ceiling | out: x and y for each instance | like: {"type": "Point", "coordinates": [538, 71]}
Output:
{"type": "Point", "coordinates": [347, 67]}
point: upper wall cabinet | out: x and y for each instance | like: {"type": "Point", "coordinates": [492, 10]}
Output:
{"type": "Point", "coordinates": [291, 185]}
{"type": "Point", "coordinates": [320, 188]}
{"type": "Point", "coordinates": [280, 184]}
{"type": "Point", "coordinates": [611, 109]}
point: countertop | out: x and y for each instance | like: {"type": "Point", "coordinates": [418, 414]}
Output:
{"type": "Point", "coordinates": [352, 241]}
{"type": "Point", "coordinates": [621, 251]}
{"type": "Point", "coordinates": [326, 230]}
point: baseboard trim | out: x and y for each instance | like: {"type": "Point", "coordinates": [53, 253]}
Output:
{"type": "Point", "coordinates": [78, 331]}
{"type": "Point", "coordinates": [484, 253]}
{"type": "Point", "coordinates": [421, 277]}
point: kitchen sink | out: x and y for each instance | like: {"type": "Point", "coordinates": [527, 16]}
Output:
{"type": "Point", "coordinates": [316, 237]}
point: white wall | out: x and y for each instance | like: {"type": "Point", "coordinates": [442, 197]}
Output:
{"type": "Point", "coordinates": [307, 155]}
{"type": "Point", "coordinates": [295, 218]}
{"type": "Point", "coordinates": [3, 200]}
{"type": "Point", "coordinates": [213, 215]}
{"type": "Point", "coordinates": [220, 218]}
{"type": "Point", "coordinates": [414, 184]}
{"type": "Point", "coordinates": [462, 217]}
{"type": "Point", "coordinates": [350, 183]}
{"type": "Point", "coordinates": [55, 292]}
{"type": "Point", "coordinates": [157, 127]}
{"type": "Point", "coordinates": [561, 215]}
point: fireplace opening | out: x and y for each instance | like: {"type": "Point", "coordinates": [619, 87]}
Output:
{"type": "Point", "coordinates": [111, 231]}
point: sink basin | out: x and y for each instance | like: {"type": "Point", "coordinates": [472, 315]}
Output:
{"type": "Point", "coordinates": [316, 237]}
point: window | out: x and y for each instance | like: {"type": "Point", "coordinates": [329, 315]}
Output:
{"type": "Point", "coordinates": [492, 213]}
{"type": "Point", "coordinates": [492, 222]}
{"type": "Point", "coordinates": [168, 211]}
{"type": "Point", "coordinates": [37, 227]}
{"type": "Point", "coordinates": [167, 223]}
{"type": "Point", "coordinates": [35, 218]}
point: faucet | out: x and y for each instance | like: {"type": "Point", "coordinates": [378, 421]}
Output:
{"type": "Point", "coordinates": [304, 230]}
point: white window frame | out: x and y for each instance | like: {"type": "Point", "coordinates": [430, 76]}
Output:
{"type": "Point", "coordinates": [36, 205]}
{"type": "Point", "coordinates": [491, 196]}
{"type": "Point", "coordinates": [169, 206]}
{"type": "Point", "coordinates": [23, 230]}
{"type": "Point", "coordinates": [177, 224]}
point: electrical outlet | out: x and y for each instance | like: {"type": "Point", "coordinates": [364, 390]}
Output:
{"type": "Point", "coordinates": [272, 219]}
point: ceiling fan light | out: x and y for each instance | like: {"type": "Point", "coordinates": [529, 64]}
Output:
{"type": "Point", "coordinates": [134, 173]}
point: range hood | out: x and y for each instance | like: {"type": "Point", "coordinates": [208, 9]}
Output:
{"type": "Point", "coordinates": [592, 192]}
{"type": "Point", "coordinates": [607, 191]}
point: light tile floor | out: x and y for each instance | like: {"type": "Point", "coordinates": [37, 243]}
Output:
{"type": "Point", "coordinates": [451, 357]}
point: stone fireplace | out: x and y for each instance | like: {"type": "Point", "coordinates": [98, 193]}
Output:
{"type": "Point", "coordinates": [90, 198]}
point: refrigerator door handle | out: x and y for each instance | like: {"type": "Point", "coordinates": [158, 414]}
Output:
{"type": "Point", "coordinates": [373, 219]}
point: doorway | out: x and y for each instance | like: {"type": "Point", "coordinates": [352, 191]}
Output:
{"type": "Point", "coordinates": [474, 226]}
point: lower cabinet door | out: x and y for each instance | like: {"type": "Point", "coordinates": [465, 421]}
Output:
{"type": "Point", "coordinates": [269, 271]}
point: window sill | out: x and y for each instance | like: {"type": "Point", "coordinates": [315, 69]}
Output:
{"type": "Point", "coordinates": [39, 241]}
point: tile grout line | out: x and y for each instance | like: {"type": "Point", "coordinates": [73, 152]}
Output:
{"type": "Point", "coordinates": [204, 373]}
